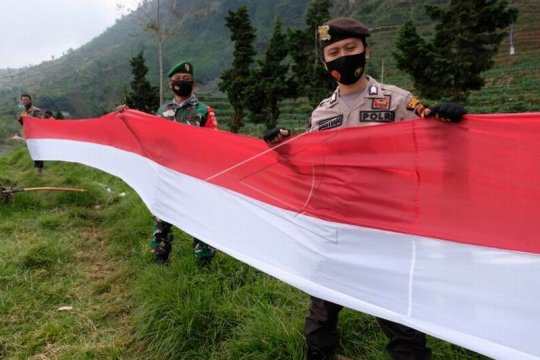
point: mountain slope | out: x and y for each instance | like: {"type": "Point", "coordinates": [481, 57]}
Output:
{"type": "Point", "coordinates": [88, 81]}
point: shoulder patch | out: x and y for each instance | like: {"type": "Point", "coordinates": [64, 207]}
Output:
{"type": "Point", "coordinates": [415, 105]}
{"type": "Point", "coordinates": [412, 103]}
{"type": "Point", "coordinates": [211, 120]}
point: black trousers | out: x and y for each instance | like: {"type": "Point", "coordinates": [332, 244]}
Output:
{"type": "Point", "coordinates": [321, 333]}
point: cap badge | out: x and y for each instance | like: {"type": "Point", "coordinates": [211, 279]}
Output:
{"type": "Point", "coordinates": [187, 68]}
{"type": "Point", "coordinates": [324, 32]}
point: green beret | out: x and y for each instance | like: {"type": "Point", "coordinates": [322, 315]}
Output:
{"type": "Point", "coordinates": [183, 67]}
{"type": "Point", "coordinates": [339, 29]}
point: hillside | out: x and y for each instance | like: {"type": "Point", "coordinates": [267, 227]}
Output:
{"type": "Point", "coordinates": [88, 81]}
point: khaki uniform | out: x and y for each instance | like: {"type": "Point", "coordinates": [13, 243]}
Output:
{"type": "Point", "coordinates": [377, 104]}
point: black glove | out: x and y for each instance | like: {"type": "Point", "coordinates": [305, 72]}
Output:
{"type": "Point", "coordinates": [448, 111]}
{"type": "Point", "coordinates": [271, 135]}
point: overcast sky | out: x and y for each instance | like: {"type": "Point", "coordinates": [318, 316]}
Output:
{"type": "Point", "coordinates": [32, 31]}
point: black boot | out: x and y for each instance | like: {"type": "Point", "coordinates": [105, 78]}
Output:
{"type": "Point", "coordinates": [320, 354]}
{"type": "Point", "coordinates": [162, 252]}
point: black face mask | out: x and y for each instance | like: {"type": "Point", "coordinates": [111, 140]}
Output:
{"type": "Point", "coordinates": [347, 69]}
{"type": "Point", "coordinates": [182, 88]}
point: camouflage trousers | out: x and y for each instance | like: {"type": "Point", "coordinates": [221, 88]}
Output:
{"type": "Point", "coordinates": [161, 244]}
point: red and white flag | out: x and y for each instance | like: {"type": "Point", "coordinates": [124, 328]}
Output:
{"type": "Point", "coordinates": [425, 223]}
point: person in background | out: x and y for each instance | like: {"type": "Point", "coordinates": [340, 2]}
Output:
{"type": "Point", "coordinates": [31, 110]}
{"type": "Point", "coordinates": [359, 100]}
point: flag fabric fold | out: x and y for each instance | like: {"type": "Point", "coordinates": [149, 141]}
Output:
{"type": "Point", "coordinates": [429, 224]}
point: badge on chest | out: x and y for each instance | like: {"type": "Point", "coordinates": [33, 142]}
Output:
{"type": "Point", "coordinates": [381, 103]}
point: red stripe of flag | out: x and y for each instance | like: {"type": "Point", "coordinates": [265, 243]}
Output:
{"type": "Point", "coordinates": [474, 183]}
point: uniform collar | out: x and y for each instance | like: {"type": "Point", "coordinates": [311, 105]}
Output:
{"type": "Point", "coordinates": [193, 100]}
{"type": "Point", "coordinates": [334, 97]}
{"type": "Point", "coordinates": [30, 109]}
{"type": "Point", "coordinates": [372, 90]}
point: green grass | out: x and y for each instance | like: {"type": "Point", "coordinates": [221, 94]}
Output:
{"type": "Point", "coordinates": [52, 254]}
{"type": "Point", "coordinates": [91, 251]}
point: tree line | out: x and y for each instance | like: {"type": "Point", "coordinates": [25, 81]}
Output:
{"type": "Point", "coordinates": [447, 66]}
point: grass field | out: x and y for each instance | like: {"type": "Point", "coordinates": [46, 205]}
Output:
{"type": "Point", "coordinates": [89, 251]}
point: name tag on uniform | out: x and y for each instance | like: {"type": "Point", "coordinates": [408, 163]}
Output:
{"type": "Point", "coordinates": [377, 116]}
{"type": "Point", "coordinates": [331, 123]}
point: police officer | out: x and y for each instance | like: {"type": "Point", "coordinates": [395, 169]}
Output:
{"type": "Point", "coordinates": [31, 110]}
{"type": "Point", "coordinates": [184, 108]}
{"type": "Point", "coordinates": [359, 100]}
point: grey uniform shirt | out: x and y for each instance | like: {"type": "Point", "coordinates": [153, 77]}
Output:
{"type": "Point", "coordinates": [376, 104]}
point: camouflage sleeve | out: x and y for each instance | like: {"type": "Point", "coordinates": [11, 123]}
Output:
{"type": "Point", "coordinates": [160, 110]}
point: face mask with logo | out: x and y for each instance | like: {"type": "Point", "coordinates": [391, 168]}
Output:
{"type": "Point", "coordinates": [347, 69]}
{"type": "Point", "coordinates": [182, 87]}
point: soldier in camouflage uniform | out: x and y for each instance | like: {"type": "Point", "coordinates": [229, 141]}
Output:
{"type": "Point", "coordinates": [359, 100]}
{"type": "Point", "coordinates": [31, 110]}
{"type": "Point", "coordinates": [184, 108]}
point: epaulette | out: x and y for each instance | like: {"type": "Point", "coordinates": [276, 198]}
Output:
{"type": "Point", "coordinates": [394, 89]}
{"type": "Point", "coordinates": [325, 101]}
{"type": "Point", "coordinates": [331, 101]}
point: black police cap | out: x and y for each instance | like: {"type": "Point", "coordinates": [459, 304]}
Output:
{"type": "Point", "coordinates": [340, 28]}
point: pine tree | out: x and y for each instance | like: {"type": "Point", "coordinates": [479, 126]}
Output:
{"type": "Point", "coordinates": [310, 78]}
{"type": "Point", "coordinates": [142, 96]}
{"type": "Point", "coordinates": [237, 78]}
{"type": "Point", "coordinates": [467, 37]}
{"type": "Point", "coordinates": [269, 84]}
